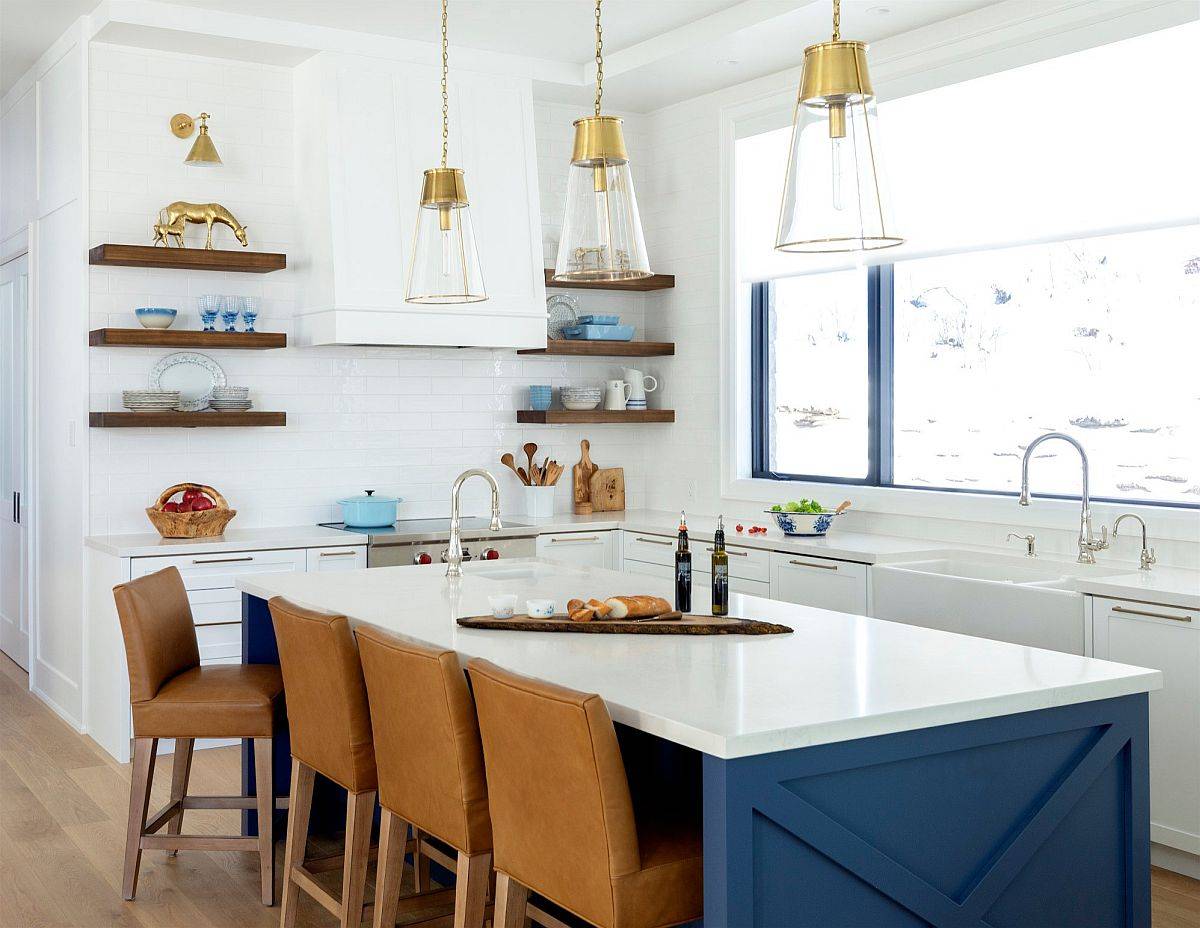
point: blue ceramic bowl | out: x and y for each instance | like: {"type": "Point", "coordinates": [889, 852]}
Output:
{"type": "Point", "coordinates": [155, 317]}
{"type": "Point", "coordinates": [803, 523]}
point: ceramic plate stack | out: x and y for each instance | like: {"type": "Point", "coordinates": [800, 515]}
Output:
{"type": "Point", "coordinates": [230, 399]}
{"type": "Point", "coordinates": [150, 400]}
{"type": "Point", "coordinates": [580, 397]}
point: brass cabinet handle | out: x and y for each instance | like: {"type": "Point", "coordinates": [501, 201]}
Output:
{"type": "Point", "coordinates": [574, 541]}
{"type": "Point", "coordinates": [1153, 615]}
{"type": "Point", "coordinates": [223, 560]}
{"type": "Point", "coordinates": [215, 624]}
{"type": "Point", "coordinates": [733, 553]}
{"type": "Point", "coordinates": [338, 553]}
{"type": "Point", "coordinates": [818, 566]}
{"type": "Point", "coordinates": [654, 541]}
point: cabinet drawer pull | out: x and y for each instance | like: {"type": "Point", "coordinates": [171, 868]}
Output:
{"type": "Point", "coordinates": [818, 566]}
{"type": "Point", "coordinates": [223, 560]}
{"type": "Point", "coordinates": [1153, 615]}
{"type": "Point", "coordinates": [574, 541]}
{"type": "Point", "coordinates": [338, 553]}
{"type": "Point", "coordinates": [732, 553]}
{"type": "Point", "coordinates": [216, 624]}
{"type": "Point", "coordinates": [654, 541]}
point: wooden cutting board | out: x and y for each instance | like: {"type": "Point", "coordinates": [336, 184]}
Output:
{"type": "Point", "coordinates": [608, 489]}
{"type": "Point", "coordinates": [686, 625]}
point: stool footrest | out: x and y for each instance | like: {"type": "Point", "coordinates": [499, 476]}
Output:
{"type": "Point", "coordinates": [198, 843]}
{"type": "Point", "coordinates": [307, 882]}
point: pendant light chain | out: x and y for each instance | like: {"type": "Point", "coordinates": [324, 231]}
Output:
{"type": "Point", "coordinates": [599, 59]}
{"type": "Point", "coordinates": [445, 87]}
{"type": "Point", "coordinates": [837, 20]}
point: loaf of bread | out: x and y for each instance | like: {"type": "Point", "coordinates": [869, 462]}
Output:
{"type": "Point", "coordinates": [637, 607]}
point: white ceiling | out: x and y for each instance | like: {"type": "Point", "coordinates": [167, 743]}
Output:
{"type": "Point", "coordinates": [656, 51]}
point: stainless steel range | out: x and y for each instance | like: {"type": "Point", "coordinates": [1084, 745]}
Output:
{"type": "Point", "coordinates": [425, 541]}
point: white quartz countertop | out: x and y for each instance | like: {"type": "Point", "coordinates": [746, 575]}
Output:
{"type": "Point", "coordinates": [1167, 586]}
{"type": "Point", "coordinates": [151, 544]}
{"type": "Point", "coordinates": [837, 677]}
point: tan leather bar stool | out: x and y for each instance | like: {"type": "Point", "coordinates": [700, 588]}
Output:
{"type": "Point", "coordinates": [430, 765]}
{"type": "Point", "coordinates": [172, 696]}
{"type": "Point", "coordinates": [331, 735]}
{"type": "Point", "coordinates": [562, 814]}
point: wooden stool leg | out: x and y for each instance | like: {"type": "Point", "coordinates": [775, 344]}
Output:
{"type": "Point", "coordinates": [389, 869]}
{"type": "Point", "coordinates": [299, 807]}
{"type": "Point", "coordinates": [181, 771]}
{"type": "Point", "coordinates": [420, 865]}
{"type": "Point", "coordinates": [140, 780]}
{"type": "Point", "coordinates": [511, 900]}
{"type": "Point", "coordinates": [471, 889]}
{"type": "Point", "coordinates": [360, 811]}
{"type": "Point", "coordinates": [264, 791]}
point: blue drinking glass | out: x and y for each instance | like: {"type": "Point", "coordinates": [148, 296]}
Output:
{"type": "Point", "coordinates": [250, 307]}
{"type": "Point", "coordinates": [231, 308]}
{"type": "Point", "coordinates": [209, 305]}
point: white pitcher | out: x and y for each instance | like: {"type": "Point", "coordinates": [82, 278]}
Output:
{"type": "Point", "coordinates": [639, 384]}
{"type": "Point", "coordinates": [615, 395]}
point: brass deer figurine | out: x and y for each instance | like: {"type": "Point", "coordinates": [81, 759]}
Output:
{"type": "Point", "coordinates": [172, 220]}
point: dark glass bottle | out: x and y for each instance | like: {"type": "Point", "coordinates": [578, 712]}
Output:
{"type": "Point", "coordinates": [720, 571]}
{"type": "Point", "coordinates": [683, 569]}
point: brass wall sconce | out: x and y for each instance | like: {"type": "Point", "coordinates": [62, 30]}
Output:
{"type": "Point", "coordinates": [204, 152]}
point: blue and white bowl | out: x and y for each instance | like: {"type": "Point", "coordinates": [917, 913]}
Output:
{"type": "Point", "coordinates": [155, 317]}
{"type": "Point", "coordinates": [803, 523]}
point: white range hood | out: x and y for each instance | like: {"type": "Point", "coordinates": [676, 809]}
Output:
{"type": "Point", "coordinates": [365, 131]}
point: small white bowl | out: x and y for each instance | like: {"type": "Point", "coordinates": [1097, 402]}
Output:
{"type": "Point", "coordinates": [539, 608]}
{"type": "Point", "coordinates": [503, 605]}
{"type": "Point", "coordinates": [580, 404]}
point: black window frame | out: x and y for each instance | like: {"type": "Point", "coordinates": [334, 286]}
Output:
{"type": "Point", "coordinates": [880, 297]}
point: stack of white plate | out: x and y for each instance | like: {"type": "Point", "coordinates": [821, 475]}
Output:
{"type": "Point", "coordinates": [150, 400]}
{"type": "Point", "coordinates": [230, 399]}
{"type": "Point", "coordinates": [580, 397]}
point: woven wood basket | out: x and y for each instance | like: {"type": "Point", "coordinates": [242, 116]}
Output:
{"type": "Point", "coordinates": [206, 524]}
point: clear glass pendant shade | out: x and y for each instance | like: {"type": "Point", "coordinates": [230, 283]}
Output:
{"type": "Point", "coordinates": [445, 263]}
{"type": "Point", "coordinates": [835, 197]}
{"type": "Point", "coordinates": [602, 231]}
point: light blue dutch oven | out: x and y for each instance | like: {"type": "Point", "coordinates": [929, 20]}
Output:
{"type": "Point", "coordinates": [369, 510]}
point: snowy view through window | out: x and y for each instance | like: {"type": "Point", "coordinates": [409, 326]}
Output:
{"type": "Point", "coordinates": [1095, 337]}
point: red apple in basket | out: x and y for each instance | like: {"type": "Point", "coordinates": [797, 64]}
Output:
{"type": "Point", "coordinates": [191, 494]}
{"type": "Point", "coordinates": [202, 503]}
{"type": "Point", "coordinates": [170, 507]}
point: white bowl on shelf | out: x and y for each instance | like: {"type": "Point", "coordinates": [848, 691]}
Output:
{"type": "Point", "coordinates": [580, 397]}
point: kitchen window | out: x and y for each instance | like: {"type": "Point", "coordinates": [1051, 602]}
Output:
{"type": "Point", "coordinates": [936, 372]}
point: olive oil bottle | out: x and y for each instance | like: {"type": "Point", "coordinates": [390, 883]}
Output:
{"type": "Point", "coordinates": [720, 571]}
{"type": "Point", "coordinates": [683, 568]}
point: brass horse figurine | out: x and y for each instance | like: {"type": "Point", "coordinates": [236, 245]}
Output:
{"type": "Point", "coordinates": [172, 221]}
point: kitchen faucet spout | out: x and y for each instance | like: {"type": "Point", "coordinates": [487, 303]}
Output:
{"type": "Point", "coordinates": [1088, 545]}
{"type": "Point", "coordinates": [454, 555]}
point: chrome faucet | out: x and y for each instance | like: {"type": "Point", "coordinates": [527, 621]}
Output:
{"type": "Point", "coordinates": [1147, 557]}
{"type": "Point", "coordinates": [454, 555]}
{"type": "Point", "coordinates": [1088, 545]}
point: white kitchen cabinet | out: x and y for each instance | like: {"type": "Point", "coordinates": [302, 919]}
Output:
{"type": "Point", "coordinates": [820, 582]}
{"type": "Point", "coordinates": [367, 129]}
{"type": "Point", "coordinates": [583, 549]}
{"type": "Point", "coordinates": [324, 560]}
{"type": "Point", "coordinates": [1168, 639]}
{"type": "Point", "coordinates": [654, 556]}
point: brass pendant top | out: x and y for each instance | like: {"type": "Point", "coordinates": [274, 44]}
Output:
{"type": "Point", "coordinates": [599, 141]}
{"type": "Point", "coordinates": [835, 72]}
{"type": "Point", "coordinates": [182, 125]}
{"type": "Point", "coordinates": [444, 187]}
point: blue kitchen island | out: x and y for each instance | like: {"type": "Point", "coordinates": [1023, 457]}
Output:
{"type": "Point", "coordinates": [853, 773]}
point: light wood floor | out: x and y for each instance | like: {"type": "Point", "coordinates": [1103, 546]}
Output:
{"type": "Point", "coordinates": [63, 804]}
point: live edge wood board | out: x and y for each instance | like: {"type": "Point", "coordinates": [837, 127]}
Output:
{"type": "Point", "coordinates": [187, 259]}
{"type": "Point", "coordinates": [186, 420]}
{"type": "Point", "coordinates": [687, 625]}
{"type": "Point", "coordinates": [577, 416]}
{"type": "Point", "coordinates": [183, 338]}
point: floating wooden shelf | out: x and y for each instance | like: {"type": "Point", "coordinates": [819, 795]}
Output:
{"type": "Point", "coordinates": [187, 259]}
{"type": "Point", "coordinates": [653, 282]}
{"type": "Point", "coordinates": [185, 420]}
{"type": "Point", "coordinates": [184, 338]}
{"type": "Point", "coordinates": [599, 349]}
{"type": "Point", "coordinates": [581, 416]}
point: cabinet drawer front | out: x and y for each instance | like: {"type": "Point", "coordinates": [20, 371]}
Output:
{"type": "Point", "coordinates": [744, 563]}
{"type": "Point", "coordinates": [820, 582]}
{"type": "Point", "coordinates": [350, 557]}
{"type": "Point", "coordinates": [214, 607]}
{"type": "Point", "coordinates": [661, 571]}
{"type": "Point", "coordinates": [585, 549]}
{"type": "Point", "coordinates": [220, 643]}
{"type": "Point", "coordinates": [650, 549]}
{"type": "Point", "coordinates": [218, 569]}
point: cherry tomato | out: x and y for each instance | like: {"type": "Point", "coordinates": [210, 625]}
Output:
{"type": "Point", "coordinates": [739, 528]}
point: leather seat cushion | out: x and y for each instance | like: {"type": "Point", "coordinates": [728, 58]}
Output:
{"type": "Point", "coordinates": [223, 701]}
{"type": "Point", "coordinates": [668, 889]}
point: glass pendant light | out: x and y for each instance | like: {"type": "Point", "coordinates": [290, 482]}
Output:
{"type": "Point", "coordinates": [602, 233]}
{"type": "Point", "coordinates": [835, 196]}
{"type": "Point", "coordinates": [445, 263]}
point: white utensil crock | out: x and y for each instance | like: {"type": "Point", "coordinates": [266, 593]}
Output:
{"type": "Point", "coordinates": [539, 501]}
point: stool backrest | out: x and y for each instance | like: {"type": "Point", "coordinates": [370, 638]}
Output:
{"type": "Point", "coordinates": [427, 744]}
{"type": "Point", "coordinates": [326, 699]}
{"type": "Point", "coordinates": [160, 636]}
{"type": "Point", "coordinates": [561, 810]}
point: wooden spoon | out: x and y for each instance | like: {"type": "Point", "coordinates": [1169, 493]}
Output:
{"type": "Point", "coordinates": [530, 450]}
{"type": "Point", "coordinates": [535, 474]}
{"type": "Point", "coordinates": [524, 476]}
{"type": "Point", "coordinates": [510, 462]}
{"type": "Point", "coordinates": [842, 508]}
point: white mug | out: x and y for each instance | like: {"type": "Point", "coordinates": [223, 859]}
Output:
{"type": "Point", "coordinates": [616, 394]}
{"type": "Point", "coordinates": [639, 384]}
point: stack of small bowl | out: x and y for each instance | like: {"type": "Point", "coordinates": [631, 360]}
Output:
{"type": "Point", "coordinates": [150, 400]}
{"type": "Point", "coordinates": [580, 397]}
{"type": "Point", "coordinates": [230, 399]}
